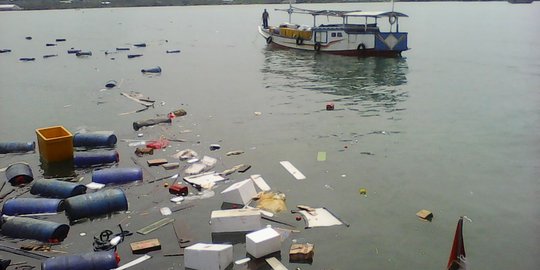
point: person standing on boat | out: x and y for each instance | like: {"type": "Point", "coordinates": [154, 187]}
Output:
{"type": "Point", "coordinates": [265, 17]}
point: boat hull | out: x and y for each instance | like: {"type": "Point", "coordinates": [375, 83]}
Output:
{"type": "Point", "coordinates": [365, 44]}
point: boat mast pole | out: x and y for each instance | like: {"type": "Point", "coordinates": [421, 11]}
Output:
{"type": "Point", "coordinates": [290, 11]}
{"type": "Point", "coordinates": [396, 17]}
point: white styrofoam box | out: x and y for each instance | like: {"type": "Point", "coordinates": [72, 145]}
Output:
{"type": "Point", "coordinates": [208, 256]}
{"type": "Point", "coordinates": [263, 242]}
{"type": "Point", "coordinates": [240, 193]}
{"type": "Point", "coordinates": [235, 220]}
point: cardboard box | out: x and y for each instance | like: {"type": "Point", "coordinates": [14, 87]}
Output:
{"type": "Point", "coordinates": [301, 253]}
{"type": "Point", "coordinates": [208, 256]}
{"type": "Point", "coordinates": [145, 246]}
{"type": "Point", "coordinates": [178, 189]}
{"type": "Point", "coordinates": [239, 193]}
{"type": "Point", "coordinates": [263, 242]}
{"type": "Point", "coordinates": [425, 215]}
{"type": "Point", "coordinates": [235, 220]}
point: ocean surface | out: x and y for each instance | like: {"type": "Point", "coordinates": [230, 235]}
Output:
{"type": "Point", "coordinates": [452, 127]}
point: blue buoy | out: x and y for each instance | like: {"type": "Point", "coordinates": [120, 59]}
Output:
{"type": "Point", "coordinates": [22, 206]}
{"type": "Point", "coordinates": [17, 147]}
{"type": "Point", "coordinates": [88, 159]}
{"type": "Point", "coordinates": [95, 204]}
{"type": "Point", "coordinates": [52, 188]}
{"type": "Point", "coordinates": [29, 228]}
{"type": "Point", "coordinates": [19, 173]}
{"type": "Point", "coordinates": [89, 261]}
{"type": "Point", "coordinates": [95, 139]}
{"type": "Point", "coordinates": [117, 175]}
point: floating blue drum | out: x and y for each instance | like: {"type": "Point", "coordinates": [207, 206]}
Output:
{"type": "Point", "coordinates": [19, 173]}
{"type": "Point", "coordinates": [117, 175]}
{"type": "Point", "coordinates": [17, 147]}
{"type": "Point", "coordinates": [89, 261]}
{"type": "Point", "coordinates": [56, 189]}
{"type": "Point", "coordinates": [94, 139]}
{"type": "Point", "coordinates": [95, 204]}
{"type": "Point", "coordinates": [22, 206]}
{"type": "Point", "coordinates": [29, 228]}
{"type": "Point", "coordinates": [88, 159]}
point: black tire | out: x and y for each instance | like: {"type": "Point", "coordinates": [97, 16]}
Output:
{"type": "Point", "coordinates": [361, 47]}
{"type": "Point", "coordinates": [317, 46]}
{"type": "Point", "coordinates": [299, 41]}
{"type": "Point", "coordinates": [269, 40]}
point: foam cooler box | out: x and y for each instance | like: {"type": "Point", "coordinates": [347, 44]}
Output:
{"type": "Point", "coordinates": [208, 256]}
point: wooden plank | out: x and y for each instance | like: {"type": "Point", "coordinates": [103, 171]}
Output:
{"type": "Point", "coordinates": [154, 226]}
{"type": "Point", "coordinates": [292, 170]}
{"type": "Point", "coordinates": [275, 264]}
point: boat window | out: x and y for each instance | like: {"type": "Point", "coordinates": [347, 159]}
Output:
{"type": "Point", "coordinates": [333, 34]}
{"type": "Point", "coordinates": [339, 34]}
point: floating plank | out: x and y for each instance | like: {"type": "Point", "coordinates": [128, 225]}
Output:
{"type": "Point", "coordinates": [292, 170]}
{"type": "Point", "coordinates": [145, 246]}
{"type": "Point", "coordinates": [321, 156]}
{"type": "Point", "coordinates": [154, 226]}
{"type": "Point", "coordinates": [275, 264]}
{"type": "Point", "coordinates": [155, 162]}
{"type": "Point", "coordinates": [259, 181]}
{"type": "Point", "coordinates": [133, 263]}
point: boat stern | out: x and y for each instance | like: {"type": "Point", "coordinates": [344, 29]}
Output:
{"type": "Point", "coordinates": [391, 41]}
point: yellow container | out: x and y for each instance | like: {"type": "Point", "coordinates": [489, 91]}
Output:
{"type": "Point", "coordinates": [55, 143]}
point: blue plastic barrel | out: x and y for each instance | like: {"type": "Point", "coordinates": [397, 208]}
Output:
{"type": "Point", "coordinates": [117, 175]}
{"type": "Point", "coordinates": [29, 228]}
{"type": "Point", "coordinates": [56, 189]}
{"type": "Point", "coordinates": [87, 159]}
{"type": "Point", "coordinates": [19, 173]}
{"type": "Point", "coordinates": [102, 260]}
{"type": "Point", "coordinates": [95, 204]}
{"type": "Point", "coordinates": [17, 147]}
{"type": "Point", "coordinates": [21, 206]}
{"type": "Point", "coordinates": [94, 139]}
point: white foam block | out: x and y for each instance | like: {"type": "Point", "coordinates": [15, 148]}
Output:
{"type": "Point", "coordinates": [208, 256]}
{"type": "Point", "coordinates": [263, 242]}
{"type": "Point", "coordinates": [239, 193]}
{"type": "Point", "coordinates": [259, 181]}
{"type": "Point", "coordinates": [236, 220]}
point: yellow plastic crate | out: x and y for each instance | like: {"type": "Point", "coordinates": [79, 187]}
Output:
{"type": "Point", "coordinates": [55, 143]}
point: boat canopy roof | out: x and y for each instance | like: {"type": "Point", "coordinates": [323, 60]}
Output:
{"type": "Point", "coordinates": [343, 13]}
{"type": "Point", "coordinates": [375, 14]}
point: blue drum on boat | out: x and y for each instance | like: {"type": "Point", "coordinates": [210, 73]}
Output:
{"type": "Point", "coordinates": [52, 188]}
{"type": "Point", "coordinates": [94, 139]}
{"type": "Point", "coordinates": [89, 261]}
{"type": "Point", "coordinates": [117, 175]}
{"type": "Point", "coordinates": [29, 228]}
{"type": "Point", "coordinates": [95, 204]}
{"type": "Point", "coordinates": [19, 173]}
{"type": "Point", "coordinates": [22, 206]}
{"type": "Point", "coordinates": [88, 159]}
{"type": "Point", "coordinates": [17, 147]}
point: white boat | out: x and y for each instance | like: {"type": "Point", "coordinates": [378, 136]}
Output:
{"type": "Point", "coordinates": [347, 38]}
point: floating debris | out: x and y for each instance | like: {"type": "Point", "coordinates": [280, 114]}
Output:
{"type": "Point", "coordinates": [81, 53]}
{"type": "Point", "coordinates": [27, 59]}
{"type": "Point", "coordinates": [134, 55]}
{"type": "Point", "coordinates": [292, 170]}
{"type": "Point", "coordinates": [151, 70]}
{"type": "Point", "coordinates": [140, 45]}
{"type": "Point", "coordinates": [50, 55]}
{"type": "Point", "coordinates": [5, 50]}
{"type": "Point", "coordinates": [174, 51]}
